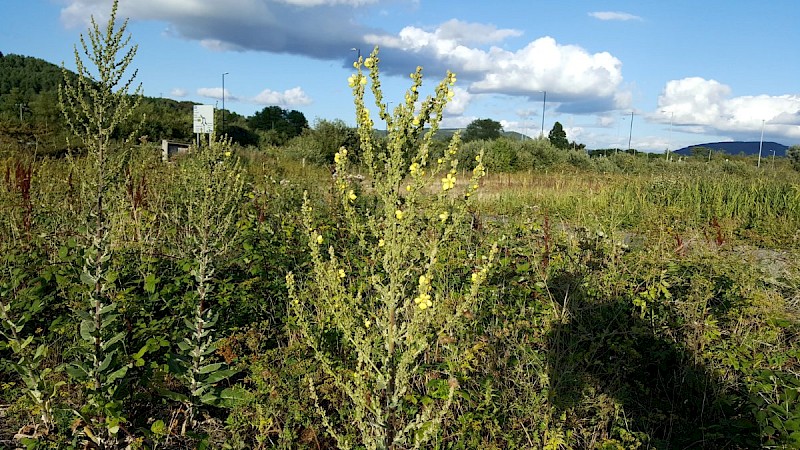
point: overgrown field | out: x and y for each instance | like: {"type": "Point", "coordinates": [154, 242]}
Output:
{"type": "Point", "coordinates": [621, 311]}
{"type": "Point", "coordinates": [409, 294]}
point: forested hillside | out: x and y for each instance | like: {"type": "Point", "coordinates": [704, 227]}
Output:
{"type": "Point", "coordinates": [31, 120]}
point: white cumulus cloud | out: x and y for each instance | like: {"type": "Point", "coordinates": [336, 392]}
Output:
{"type": "Point", "coordinates": [178, 92]}
{"type": "Point", "coordinates": [290, 97]}
{"type": "Point", "coordinates": [613, 15]}
{"type": "Point", "coordinates": [327, 2]}
{"type": "Point", "coordinates": [576, 79]}
{"type": "Point", "coordinates": [700, 105]}
{"type": "Point", "coordinates": [474, 33]}
{"type": "Point", "coordinates": [458, 104]}
{"type": "Point", "coordinates": [216, 94]}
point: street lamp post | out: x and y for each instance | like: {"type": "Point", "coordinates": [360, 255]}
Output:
{"type": "Point", "coordinates": [761, 142]}
{"type": "Point", "coordinates": [358, 50]}
{"type": "Point", "coordinates": [669, 139]}
{"type": "Point", "coordinates": [544, 103]}
{"type": "Point", "coordinates": [630, 134]}
{"type": "Point", "coordinates": [223, 103]}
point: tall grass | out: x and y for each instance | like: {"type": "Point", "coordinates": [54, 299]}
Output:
{"type": "Point", "coordinates": [763, 207]}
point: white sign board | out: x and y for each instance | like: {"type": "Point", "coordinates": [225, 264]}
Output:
{"type": "Point", "coordinates": [203, 119]}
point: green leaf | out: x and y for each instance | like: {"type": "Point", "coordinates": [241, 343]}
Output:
{"type": "Point", "coordinates": [230, 397]}
{"type": "Point", "coordinates": [173, 395]}
{"type": "Point", "coordinates": [87, 279]}
{"type": "Point", "coordinates": [210, 398]}
{"type": "Point", "coordinates": [210, 349]}
{"type": "Point", "coordinates": [106, 362]}
{"type": "Point", "coordinates": [119, 373]}
{"type": "Point", "coordinates": [220, 375]}
{"type": "Point", "coordinates": [209, 368]}
{"type": "Point", "coordinates": [77, 371]}
{"type": "Point", "coordinates": [40, 351]}
{"type": "Point", "coordinates": [87, 330]}
{"type": "Point", "coordinates": [108, 308]}
{"type": "Point", "coordinates": [159, 428]}
{"type": "Point", "coordinates": [25, 343]}
{"type": "Point", "coordinates": [108, 320]}
{"type": "Point", "coordinates": [150, 283]}
{"type": "Point", "coordinates": [117, 337]}
{"type": "Point", "coordinates": [141, 352]}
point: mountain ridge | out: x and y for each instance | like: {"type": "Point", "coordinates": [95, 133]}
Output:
{"type": "Point", "coordinates": [749, 148]}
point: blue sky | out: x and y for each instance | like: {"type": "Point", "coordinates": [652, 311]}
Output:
{"type": "Point", "coordinates": [691, 72]}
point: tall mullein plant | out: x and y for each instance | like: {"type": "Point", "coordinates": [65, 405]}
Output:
{"type": "Point", "coordinates": [391, 311]}
{"type": "Point", "coordinates": [95, 104]}
{"type": "Point", "coordinates": [211, 183]}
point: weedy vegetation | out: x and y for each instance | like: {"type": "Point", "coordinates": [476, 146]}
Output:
{"type": "Point", "coordinates": [363, 290]}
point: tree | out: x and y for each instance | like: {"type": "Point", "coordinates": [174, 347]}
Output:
{"type": "Point", "coordinates": [329, 137]}
{"type": "Point", "coordinates": [794, 156]}
{"type": "Point", "coordinates": [287, 124]}
{"type": "Point", "coordinates": [558, 137]}
{"type": "Point", "coordinates": [487, 129]}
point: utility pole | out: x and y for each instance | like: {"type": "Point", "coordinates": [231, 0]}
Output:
{"type": "Point", "coordinates": [222, 130]}
{"type": "Point", "coordinates": [544, 103]}
{"type": "Point", "coordinates": [761, 143]}
{"type": "Point", "coordinates": [669, 139]}
{"type": "Point", "coordinates": [630, 134]}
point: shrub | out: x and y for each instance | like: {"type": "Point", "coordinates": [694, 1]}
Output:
{"type": "Point", "coordinates": [794, 156]}
{"type": "Point", "coordinates": [380, 297]}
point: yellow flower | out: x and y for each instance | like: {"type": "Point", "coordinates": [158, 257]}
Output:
{"type": "Point", "coordinates": [341, 273]}
{"type": "Point", "coordinates": [367, 323]}
{"type": "Point", "coordinates": [443, 216]}
{"type": "Point", "coordinates": [450, 95]}
{"type": "Point", "coordinates": [448, 182]}
{"type": "Point", "coordinates": [381, 242]}
{"type": "Point", "coordinates": [369, 62]}
{"type": "Point", "coordinates": [351, 195]}
{"type": "Point", "coordinates": [340, 156]}
{"type": "Point", "coordinates": [408, 187]}
{"type": "Point", "coordinates": [414, 168]}
{"type": "Point", "coordinates": [474, 277]}
{"type": "Point", "coordinates": [398, 214]}
{"type": "Point", "coordinates": [351, 80]}
{"type": "Point", "coordinates": [320, 240]}
{"type": "Point", "coordinates": [424, 280]}
{"type": "Point", "coordinates": [423, 301]}
{"type": "Point", "coordinates": [440, 160]}
{"type": "Point", "coordinates": [228, 154]}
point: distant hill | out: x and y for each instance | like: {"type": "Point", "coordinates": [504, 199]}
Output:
{"type": "Point", "coordinates": [447, 133]}
{"type": "Point", "coordinates": [28, 75]}
{"type": "Point", "coordinates": [739, 147]}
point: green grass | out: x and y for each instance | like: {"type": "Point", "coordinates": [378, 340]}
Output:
{"type": "Point", "coordinates": [623, 309]}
